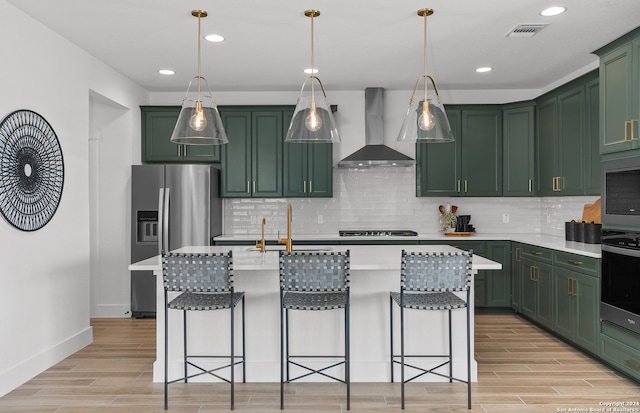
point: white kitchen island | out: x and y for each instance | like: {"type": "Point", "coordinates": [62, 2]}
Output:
{"type": "Point", "coordinates": [375, 270]}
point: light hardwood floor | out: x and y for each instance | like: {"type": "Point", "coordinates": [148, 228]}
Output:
{"type": "Point", "coordinates": [520, 369]}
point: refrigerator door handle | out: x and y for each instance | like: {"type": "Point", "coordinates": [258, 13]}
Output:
{"type": "Point", "coordinates": [160, 221]}
{"type": "Point", "coordinates": [165, 221]}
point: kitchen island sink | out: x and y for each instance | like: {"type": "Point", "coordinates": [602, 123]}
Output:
{"type": "Point", "coordinates": [375, 270]}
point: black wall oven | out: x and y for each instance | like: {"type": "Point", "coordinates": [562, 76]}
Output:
{"type": "Point", "coordinates": [620, 287]}
{"type": "Point", "coordinates": [621, 192]}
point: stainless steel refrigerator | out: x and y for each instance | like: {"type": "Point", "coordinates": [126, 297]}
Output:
{"type": "Point", "coordinates": [172, 206]}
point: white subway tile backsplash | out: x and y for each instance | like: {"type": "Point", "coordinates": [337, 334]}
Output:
{"type": "Point", "coordinates": [384, 198]}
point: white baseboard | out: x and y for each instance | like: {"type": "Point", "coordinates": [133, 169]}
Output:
{"type": "Point", "coordinates": [26, 370]}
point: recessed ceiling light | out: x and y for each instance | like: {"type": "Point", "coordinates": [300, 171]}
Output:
{"type": "Point", "coordinates": [553, 11]}
{"type": "Point", "coordinates": [308, 71]}
{"type": "Point", "coordinates": [167, 72]}
{"type": "Point", "coordinates": [484, 69]}
{"type": "Point", "coordinates": [216, 38]}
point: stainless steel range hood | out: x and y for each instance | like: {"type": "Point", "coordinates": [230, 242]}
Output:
{"type": "Point", "coordinates": [375, 153]}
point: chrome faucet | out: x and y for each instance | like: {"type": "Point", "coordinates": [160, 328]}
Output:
{"type": "Point", "coordinates": [287, 241]}
{"type": "Point", "coordinates": [262, 244]}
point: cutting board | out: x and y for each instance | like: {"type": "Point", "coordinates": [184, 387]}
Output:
{"type": "Point", "coordinates": [591, 212]}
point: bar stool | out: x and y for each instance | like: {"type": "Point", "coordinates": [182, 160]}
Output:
{"type": "Point", "coordinates": [428, 282]}
{"type": "Point", "coordinates": [205, 282]}
{"type": "Point", "coordinates": [313, 281]}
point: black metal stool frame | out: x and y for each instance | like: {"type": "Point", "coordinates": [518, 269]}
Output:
{"type": "Point", "coordinates": [400, 299]}
{"type": "Point", "coordinates": [222, 298]}
{"type": "Point", "coordinates": [308, 295]}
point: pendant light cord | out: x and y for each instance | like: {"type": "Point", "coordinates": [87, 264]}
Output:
{"type": "Point", "coordinates": [425, 56]}
{"type": "Point", "coordinates": [199, 77]}
{"type": "Point", "coordinates": [313, 75]}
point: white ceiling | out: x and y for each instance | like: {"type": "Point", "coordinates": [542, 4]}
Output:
{"type": "Point", "coordinates": [358, 43]}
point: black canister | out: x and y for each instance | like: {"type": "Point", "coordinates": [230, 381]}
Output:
{"type": "Point", "coordinates": [570, 230]}
{"type": "Point", "coordinates": [580, 231]}
{"type": "Point", "coordinates": [593, 233]}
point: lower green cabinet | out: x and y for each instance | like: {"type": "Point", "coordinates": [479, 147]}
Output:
{"type": "Point", "coordinates": [498, 282]}
{"type": "Point", "coordinates": [576, 314]}
{"type": "Point", "coordinates": [516, 276]}
{"type": "Point", "coordinates": [537, 288]}
{"type": "Point", "coordinates": [620, 349]}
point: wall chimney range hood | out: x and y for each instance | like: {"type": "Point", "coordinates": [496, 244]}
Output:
{"type": "Point", "coordinates": [375, 153]}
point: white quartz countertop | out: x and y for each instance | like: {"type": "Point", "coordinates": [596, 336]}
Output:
{"type": "Point", "coordinates": [365, 257]}
{"type": "Point", "coordinates": [539, 240]}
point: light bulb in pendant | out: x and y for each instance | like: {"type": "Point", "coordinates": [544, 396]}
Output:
{"type": "Point", "coordinates": [313, 122]}
{"type": "Point", "coordinates": [426, 121]}
{"type": "Point", "coordinates": [198, 121]}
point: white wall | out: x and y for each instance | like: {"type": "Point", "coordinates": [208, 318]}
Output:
{"type": "Point", "coordinates": [45, 310]}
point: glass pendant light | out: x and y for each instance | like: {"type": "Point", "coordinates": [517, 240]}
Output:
{"type": "Point", "coordinates": [312, 119]}
{"type": "Point", "coordinates": [199, 122]}
{"type": "Point", "coordinates": [426, 120]}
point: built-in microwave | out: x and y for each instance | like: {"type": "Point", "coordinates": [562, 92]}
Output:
{"type": "Point", "coordinates": [621, 192]}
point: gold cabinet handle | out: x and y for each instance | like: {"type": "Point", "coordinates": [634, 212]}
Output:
{"type": "Point", "coordinates": [626, 128]}
{"type": "Point", "coordinates": [465, 186]}
{"type": "Point", "coordinates": [310, 186]}
{"type": "Point", "coordinates": [304, 187]}
{"type": "Point", "coordinates": [633, 135]}
{"type": "Point", "coordinates": [518, 254]}
{"type": "Point", "coordinates": [458, 185]}
{"type": "Point", "coordinates": [248, 188]}
{"type": "Point", "coordinates": [569, 286]}
{"type": "Point", "coordinates": [179, 146]}
{"type": "Point", "coordinates": [535, 274]}
{"type": "Point", "coordinates": [574, 262]}
{"type": "Point", "coordinates": [530, 185]}
{"type": "Point", "coordinates": [553, 184]}
{"type": "Point", "coordinates": [254, 187]}
{"type": "Point", "coordinates": [632, 364]}
{"type": "Point", "coordinates": [574, 287]}
{"type": "Point", "coordinates": [531, 273]}
{"type": "Point", "coordinates": [537, 252]}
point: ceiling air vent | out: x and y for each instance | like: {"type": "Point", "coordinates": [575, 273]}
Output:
{"type": "Point", "coordinates": [526, 29]}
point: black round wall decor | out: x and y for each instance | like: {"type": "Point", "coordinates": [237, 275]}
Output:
{"type": "Point", "coordinates": [31, 170]}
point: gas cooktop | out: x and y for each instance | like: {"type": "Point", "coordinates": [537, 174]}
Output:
{"type": "Point", "coordinates": [377, 233]}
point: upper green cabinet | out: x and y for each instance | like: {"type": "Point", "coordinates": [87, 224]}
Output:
{"type": "Point", "coordinates": [518, 133]}
{"type": "Point", "coordinates": [252, 160]}
{"type": "Point", "coordinates": [308, 170]}
{"type": "Point", "coordinates": [157, 126]}
{"type": "Point", "coordinates": [565, 141]}
{"type": "Point", "coordinates": [470, 166]}
{"type": "Point", "coordinates": [620, 94]}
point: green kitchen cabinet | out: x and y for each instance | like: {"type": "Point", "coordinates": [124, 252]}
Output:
{"type": "Point", "coordinates": [470, 166]}
{"type": "Point", "coordinates": [157, 126]}
{"type": "Point", "coordinates": [537, 285]}
{"type": "Point", "coordinates": [620, 348]}
{"type": "Point", "coordinates": [565, 140]}
{"type": "Point", "coordinates": [620, 94]}
{"type": "Point", "coordinates": [575, 313]}
{"type": "Point", "coordinates": [592, 131]}
{"type": "Point", "coordinates": [518, 135]}
{"type": "Point", "coordinates": [252, 160]}
{"type": "Point", "coordinates": [577, 299]}
{"type": "Point", "coordinates": [516, 276]}
{"type": "Point", "coordinates": [308, 169]}
{"type": "Point", "coordinates": [498, 282]}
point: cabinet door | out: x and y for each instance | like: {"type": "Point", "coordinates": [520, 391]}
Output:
{"type": "Point", "coordinates": [547, 133]}
{"type": "Point", "coordinates": [498, 282]}
{"type": "Point", "coordinates": [616, 99]}
{"type": "Point", "coordinates": [157, 127]}
{"type": "Point", "coordinates": [516, 277]}
{"type": "Point", "coordinates": [201, 153]}
{"type": "Point", "coordinates": [571, 150]}
{"type": "Point", "coordinates": [266, 153]}
{"type": "Point", "coordinates": [295, 169]}
{"type": "Point", "coordinates": [320, 170]}
{"type": "Point", "coordinates": [481, 152]}
{"type": "Point", "coordinates": [544, 294]}
{"type": "Point", "coordinates": [438, 165]}
{"type": "Point", "coordinates": [528, 302]}
{"type": "Point", "coordinates": [518, 151]}
{"type": "Point", "coordinates": [587, 313]}
{"type": "Point", "coordinates": [236, 155]}
{"type": "Point", "coordinates": [564, 303]}
{"type": "Point", "coordinates": [592, 137]}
